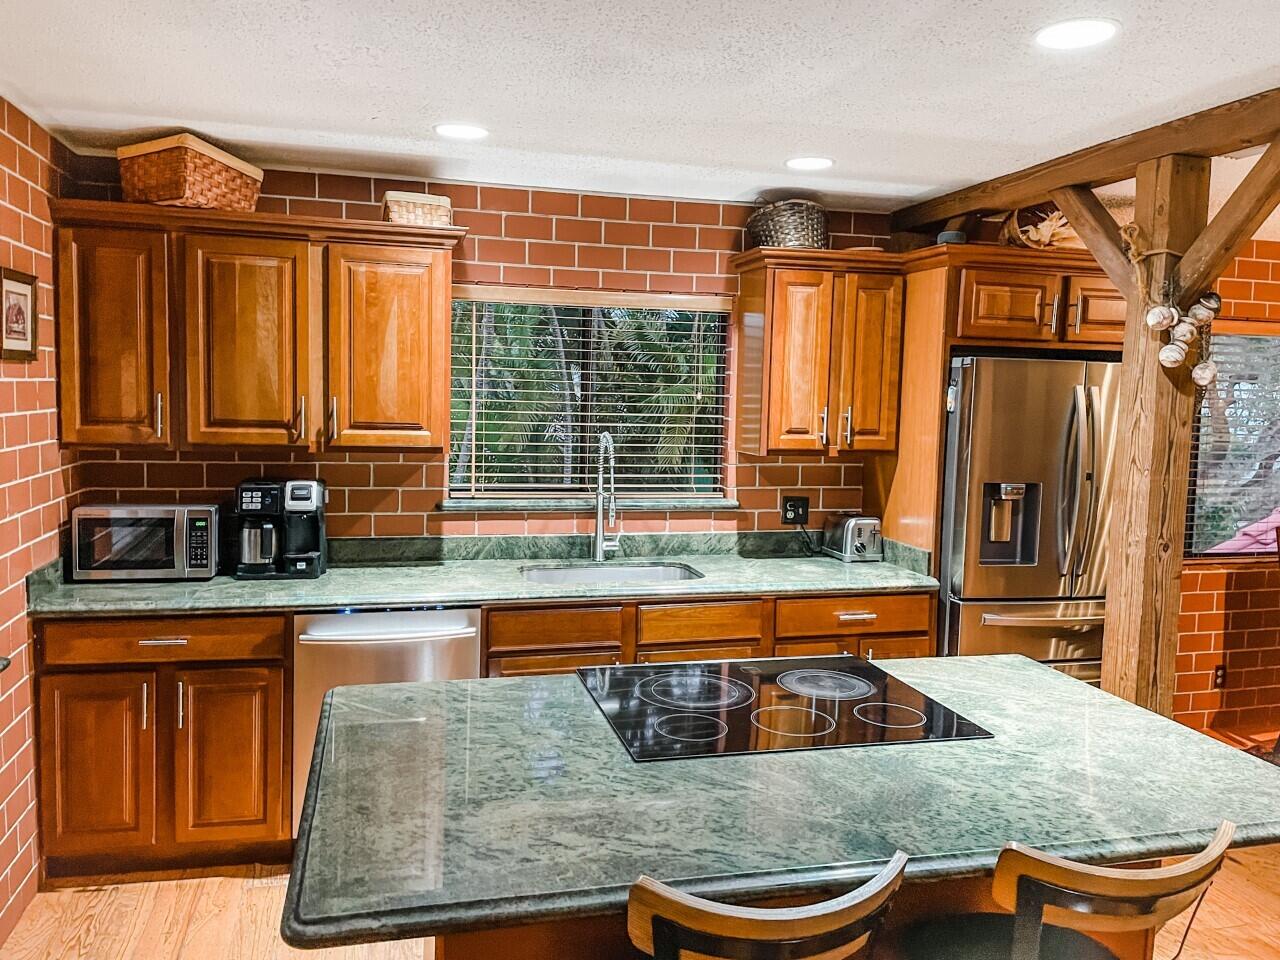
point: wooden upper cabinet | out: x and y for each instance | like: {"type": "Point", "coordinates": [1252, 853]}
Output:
{"type": "Point", "coordinates": [1008, 305]}
{"type": "Point", "coordinates": [1095, 311]}
{"type": "Point", "coordinates": [248, 310]}
{"type": "Point", "coordinates": [867, 363]}
{"type": "Point", "coordinates": [389, 323]}
{"type": "Point", "coordinates": [229, 773]}
{"type": "Point", "coordinates": [98, 762]}
{"type": "Point", "coordinates": [113, 336]}
{"type": "Point", "coordinates": [799, 360]}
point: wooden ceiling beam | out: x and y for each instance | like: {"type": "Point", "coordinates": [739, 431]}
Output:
{"type": "Point", "coordinates": [1238, 220]}
{"type": "Point", "coordinates": [1224, 129]}
{"type": "Point", "coordinates": [1100, 233]}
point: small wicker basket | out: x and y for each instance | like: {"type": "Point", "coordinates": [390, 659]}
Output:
{"type": "Point", "coordinates": [185, 171]}
{"type": "Point", "coordinates": [789, 223]}
{"type": "Point", "coordinates": [419, 209]}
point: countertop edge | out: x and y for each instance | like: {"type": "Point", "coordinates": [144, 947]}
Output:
{"type": "Point", "coordinates": [500, 913]}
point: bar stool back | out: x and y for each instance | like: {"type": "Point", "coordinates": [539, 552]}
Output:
{"type": "Point", "coordinates": [669, 925]}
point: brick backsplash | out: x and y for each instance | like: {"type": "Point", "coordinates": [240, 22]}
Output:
{"type": "Point", "coordinates": [1250, 286]}
{"type": "Point", "coordinates": [517, 236]}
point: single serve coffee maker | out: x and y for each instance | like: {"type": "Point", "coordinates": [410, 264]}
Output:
{"type": "Point", "coordinates": [281, 530]}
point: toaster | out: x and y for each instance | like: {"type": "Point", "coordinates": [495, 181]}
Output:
{"type": "Point", "coordinates": [851, 536]}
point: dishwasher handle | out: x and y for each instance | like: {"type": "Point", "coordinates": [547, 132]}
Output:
{"type": "Point", "coordinates": [418, 636]}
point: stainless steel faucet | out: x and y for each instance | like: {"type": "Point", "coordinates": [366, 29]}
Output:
{"type": "Point", "coordinates": [606, 540]}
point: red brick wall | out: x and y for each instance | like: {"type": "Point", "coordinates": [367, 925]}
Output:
{"type": "Point", "coordinates": [522, 237]}
{"type": "Point", "coordinates": [33, 482]}
{"type": "Point", "coordinates": [1230, 618]}
{"type": "Point", "coordinates": [1250, 287]}
{"type": "Point", "coordinates": [1231, 608]}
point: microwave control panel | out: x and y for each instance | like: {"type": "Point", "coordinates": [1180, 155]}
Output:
{"type": "Point", "coordinates": [199, 531]}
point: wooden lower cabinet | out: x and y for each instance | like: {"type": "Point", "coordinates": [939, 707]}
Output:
{"type": "Point", "coordinates": [229, 776]}
{"type": "Point", "coordinates": [542, 664]}
{"type": "Point", "coordinates": [870, 648]}
{"type": "Point", "coordinates": [686, 654]}
{"type": "Point", "coordinates": [98, 762]}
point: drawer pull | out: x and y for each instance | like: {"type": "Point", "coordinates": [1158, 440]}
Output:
{"type": "Point", "coordinates": [164, 642]}
{"type": "Point", "coordinates": [858, 616]}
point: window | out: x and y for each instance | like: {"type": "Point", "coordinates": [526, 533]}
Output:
{"type": "Point", "coordinates": [533, 386]}
{"type": "Point", "coordinates": [1235, 469]}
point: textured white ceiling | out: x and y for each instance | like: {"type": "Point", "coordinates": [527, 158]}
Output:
{"type": "Point", "coordinates": [691, 98]}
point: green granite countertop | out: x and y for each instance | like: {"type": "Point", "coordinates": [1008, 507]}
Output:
{"type": "Point", "coordinates": [458, 582]}
{"type": "Point", "coordinates": [443, 807]}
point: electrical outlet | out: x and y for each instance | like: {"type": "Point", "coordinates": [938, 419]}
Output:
{"type": "Point", "coordinates": [795, 510]}
{"type": "Point", "coordinates": [1219, 677]}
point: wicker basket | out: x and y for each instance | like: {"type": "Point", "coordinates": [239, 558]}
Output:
{"type": "Point", "coordinates": [419, 209]}
{"type": "Point", "coordinates": [789, 223]}
{"type": "Point", "coordinates": [184, 171]}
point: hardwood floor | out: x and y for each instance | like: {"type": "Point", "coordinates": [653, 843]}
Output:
{"type": "Point", "coordinates": [237, 918]}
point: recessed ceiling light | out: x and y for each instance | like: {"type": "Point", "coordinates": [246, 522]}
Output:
{"type": "Point", "coordinates": [809, 163]}
{"type": "Point", "coordinates": [1075, 34]}
{"type": "Point", "coordinates": [461, 131]}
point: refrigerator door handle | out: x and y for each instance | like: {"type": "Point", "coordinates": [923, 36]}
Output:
{"type": "Point", "coordinates": [1088, 535]}
{"type": "Point", "coordinates": [1001, 620]}
{"type": "Point", "coordinates": [1069, 483]}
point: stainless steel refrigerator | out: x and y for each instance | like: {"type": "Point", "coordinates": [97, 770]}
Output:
{"type": "Point", "coordinates": [1026, 507]}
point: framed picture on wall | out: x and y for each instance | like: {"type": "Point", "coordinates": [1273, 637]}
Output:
{"type": "Point", "coordinates": [18, 314]}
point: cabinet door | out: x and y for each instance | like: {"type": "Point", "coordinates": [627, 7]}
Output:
{"type": "Point", "coordinates": [248, 306]}
{"type": "Point", "coordinates": [389, 323]}
{"type": "Point", "coordinates": [866, 364]}
{"type": "Point", "coordinates": [686, 654]}
{"type": "Point", "coordinates": [996, 305]}
{"type": "Point", "coordinates": [1095, 311]}
{"type": "Point", "coordinates": [97, 762]}
{"type": "Point", "coordinates": [229, 755]}
{"type": "Point", "coordinates": [799, 360]}
{"type": "Point", "coordinates": [113, 336]}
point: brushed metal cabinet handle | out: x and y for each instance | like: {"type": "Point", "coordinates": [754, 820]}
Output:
{"type": "Point", "coordinates": [857, 616]}
{"type": "Point", "coordinates": [1079, 308]}
{"type": "Point", "coordinates": [824, 425]}
{"type": "Point", "coordinates": [333, 417]}
{"type": "Point", "coordinates": [1053, 317]}
{"type": "Point", "coordinates": [145, 698]}
{"type": "Point", "coordinates": [848, 426]}
{"type": "Point", "coordinates": [159, 414]}
{"type": "Point", "coordinates": [302, 417]}
{"type": "Point", "coordinates": [182, 690]}
{"type": "Point", "coordinates": [164, 642]}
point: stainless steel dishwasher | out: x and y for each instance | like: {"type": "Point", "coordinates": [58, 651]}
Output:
{"type": "Point", "coordinates": [343, 649]}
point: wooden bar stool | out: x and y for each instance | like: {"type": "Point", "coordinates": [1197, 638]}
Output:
{"type": "Point", "coordinates": [1054, 900]}
{"type": "Point", "coordinates": [669, 925]}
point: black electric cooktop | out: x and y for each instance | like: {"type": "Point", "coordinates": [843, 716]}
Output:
{"type": "Point", "coordinates": [666, 711]}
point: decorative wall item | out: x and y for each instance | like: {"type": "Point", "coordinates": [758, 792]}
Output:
{"type": "Point", "coordinates": [18, 302]}
{"type": "Point", "coordinates": [1188, 332]}
{"type": "Point", "coordinates": [1040, 228]}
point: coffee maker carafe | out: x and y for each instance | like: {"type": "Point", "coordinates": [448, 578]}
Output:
{"type": "Point", "coordinates": [281, 529]}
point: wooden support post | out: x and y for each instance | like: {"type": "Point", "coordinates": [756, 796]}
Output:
{"type": "Point", "coordinates": [1100, 233]}
{"type": "Point", "coordinates": [1153, 451]}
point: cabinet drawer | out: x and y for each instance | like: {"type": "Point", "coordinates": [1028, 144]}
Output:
{"type": "Point", "coordinates": [672, 623]}
{"type": "Point", "coordinates": [848, 616]}
{"type": "Point", "coordinates": [893, 648]}
{"type": "Point", "coordinates": [557, 627]}
{"type": "Point", "coordinates": [162, 640]}
{"type": "Point", "coordinates": [819, 647]}
{"type": "Point", "coordinates": [736, 651]}
{"type": "Point", "coordinates": [546, 665]}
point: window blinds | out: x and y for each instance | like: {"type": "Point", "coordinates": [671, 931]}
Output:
{"type": "Point", "coordinates": [1234, 505]}
{"type": "Point", "coordinates": [534, 385]}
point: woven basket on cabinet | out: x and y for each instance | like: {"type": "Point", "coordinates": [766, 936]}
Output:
{"type": "Point", "coordinates": [789, 223]}
{"type": "Point", "coordinates": [184, 171]}
{"type": "Point", "coordinates": [419, 209]}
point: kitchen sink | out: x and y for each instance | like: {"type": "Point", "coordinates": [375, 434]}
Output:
{"type": "Point", "coordinates": [609, 572]}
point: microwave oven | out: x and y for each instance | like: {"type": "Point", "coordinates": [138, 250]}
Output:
{"type": "Point", "coordinates": [162, 542]}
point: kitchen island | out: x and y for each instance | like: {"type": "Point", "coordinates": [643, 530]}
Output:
{"type": "Point", "coordinates": [498, 813]}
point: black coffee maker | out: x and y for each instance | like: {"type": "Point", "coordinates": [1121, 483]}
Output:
{"type": "Point", "coordinates": [281, 530]}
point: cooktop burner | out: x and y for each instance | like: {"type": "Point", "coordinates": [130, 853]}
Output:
{"type": "Point", "coordinates": [671, 710]}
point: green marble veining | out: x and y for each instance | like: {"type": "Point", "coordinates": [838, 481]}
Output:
{"type": "Point", "coordinates": [363, 551]}
{"type": "Point", "coordinates": [458, 582]}
{"type": "Point", "coordinates": [476, 804]}
{"type": "Point", "coordinates": [906, 556]}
